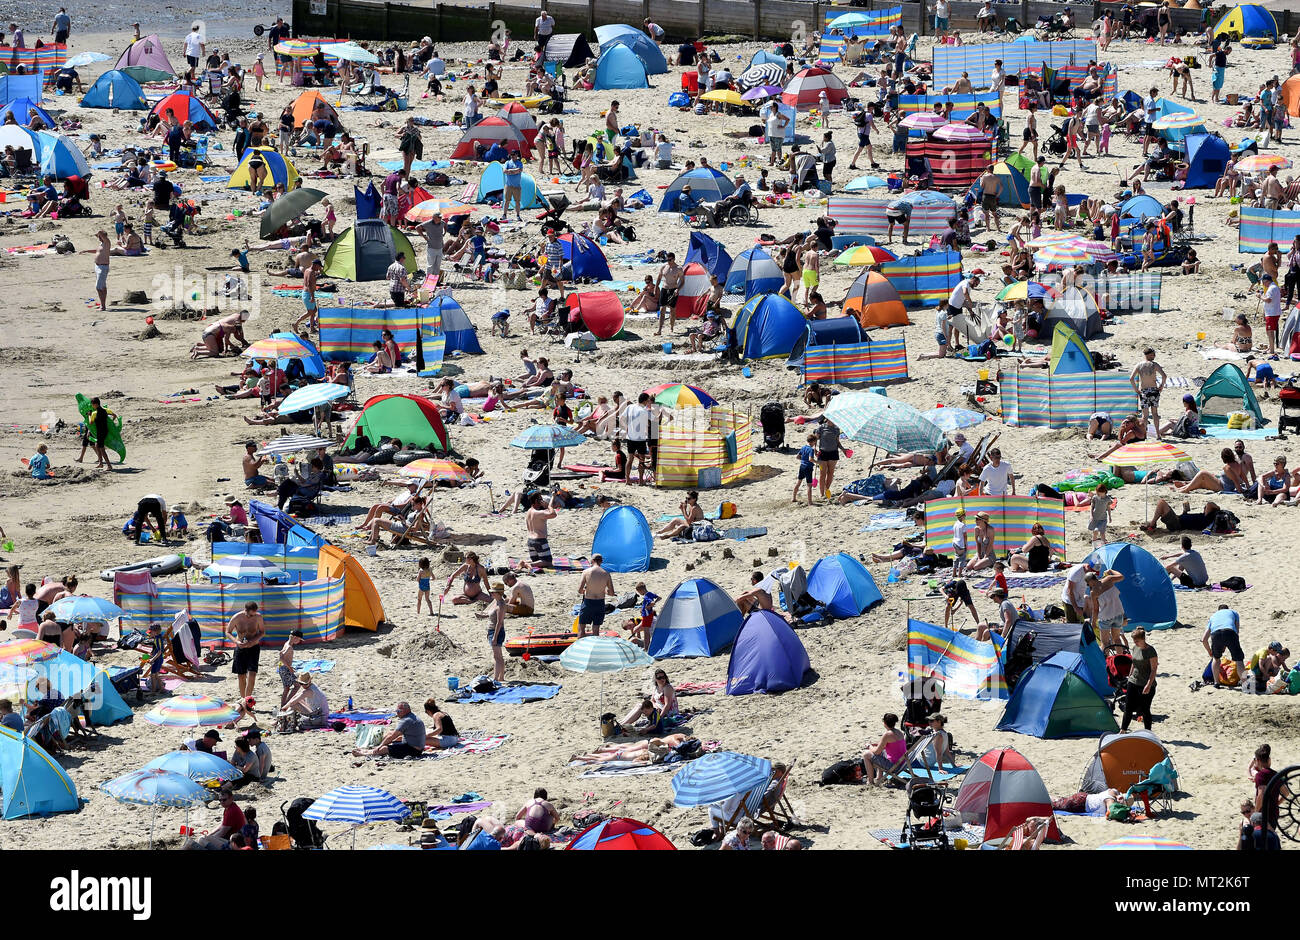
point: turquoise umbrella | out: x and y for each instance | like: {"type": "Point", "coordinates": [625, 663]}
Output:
{"type": "Point", "coordinates": [886, 423]}
{"type": "Point", "coordinates": [154, 788]}
{"type": "Point", "coordinates": [717, 777]}
{"type": "Point", "coordinates": [72, 609]}
{"type": "Point", "coordinates": [548, 437]}
{"type": "Point", "coordinates": [199, 766]}
{"type": "Point", "coordinates": [312, 396]}
{"type": "Point", "coordinates": [865, 182]}
{"type": "Point", "coordinates": [953, 419]}
{"type": "Point", "coordinates": [602, 654]}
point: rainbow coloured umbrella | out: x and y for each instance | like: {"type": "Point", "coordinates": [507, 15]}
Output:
{"type": "Point", "coordinates": [296, 47]}
{"type": "Point", "coordinates": [436, 470]}
{"type": "Point", "coordinates": [1145, 452]}
{"type": "Point", "coordinates": [1178, 120]}
{"type": "Point", "coordinates": [23, 652]}
{"type": "Point", "coordinates": [1026, 290]}
{"type": "Point", "coordinates": [1099, 252]}
{"type": "Point", "coordinates": [865, 255]}
{"type": "Point", "coordinates": [958, 131]}
{"type": "Point", "coordinates": [1065, 254]}
{"type": "Point", "coordinates": [681, 396]}
{"type": "Point", "coordinates": [423, 211]}
{"type": "Point", "coordinates": [1262, 162]}
{"type": "Point", "coordinates": [276, 347]}
{"type": "Point", "coordinates": [1144, 842]}
{"type": "Point", "coordinates": [924, 121]}
{"type": "Point", "coordinates": [1049, 238]}
{"type": "Point", "coordinates": [192, 711]}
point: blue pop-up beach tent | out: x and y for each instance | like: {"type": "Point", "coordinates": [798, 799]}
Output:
{"type": "Point", "coordinates": [697, 619]}
{"type": "Point", "coordinates": [31, 781]}
{"type": "Point", "coordinates": [492, 186]}
{"type": "Point", "coordinates": [456, 326]}
{"type": "Point", "coordinates": [709, 254]}
{"type": "Point", "coordinates": [619, 67]}
{"type": "Point", "coordinates": [115, 89]}
{"type": "Point", "coordinates": [766, 657]}
{"type": "Point", "coordinates": [23, 110]}
{"type": "Point", "coordinates": [767, 327]}
{"type": "Point", "coordinates": [60, 156]}
{"type": "Point", "coordinates": [641, 45]}
{"type": "Point", "coordinates": [707, 185]}
{"type": "Point", "coordinates": [843, 585]}
{"type": "Point", "coordinates": [1058, 698]}
{"type": "Point", "coordinates": [623, 540]}
{"type": "Point", "coordinates": [754, 272]}
{"type": "Point", "coordinates": [1207, 158]}
{"type": "Point", "coordinates": [1146, 591]}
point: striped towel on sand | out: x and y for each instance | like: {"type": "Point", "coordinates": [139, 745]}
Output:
{"type": "Point", "coordinates": [471, 742]}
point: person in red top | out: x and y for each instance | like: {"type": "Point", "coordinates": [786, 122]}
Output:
{"type": "Point", "coordinates": [232, 822]}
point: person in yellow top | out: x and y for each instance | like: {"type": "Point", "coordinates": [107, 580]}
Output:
{"type": "Point", "coordinates": [1267, 663]}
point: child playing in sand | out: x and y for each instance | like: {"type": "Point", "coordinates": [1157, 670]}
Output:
{"type": "Point", "coordinates": [284, 667]}
{"type": "Point", "coordinates": [807, 458]}
{"type": "Point", "coordinates": [423, 576]}
{"type": "Point", "coordinates": [640, 627]}
{"type": "Point", "coordinates": [177, 524]}
{"type": "Point", "coordinates": [1000, 575]}
{"type": "Point", "coordinates": [259, 71]}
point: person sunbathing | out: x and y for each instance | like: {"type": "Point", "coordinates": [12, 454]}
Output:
{"type": "Point", "coordinates": [917, 458]}
{"type": "Point", "coordinates": [641, 752]}
{"type": "Point", "coordinates": [660, 703]}
{"type": "Point", "coordinates": [691, 514]}
{"type": "Point", "coordinates": [414, 518]}
{"type": "Point", "coordinates": [1231, 480]}
{"type": "Point", "coordinates": [396, 507]}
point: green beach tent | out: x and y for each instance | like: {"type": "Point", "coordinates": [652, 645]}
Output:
{"type": "Point", "coordinates": [364, 252]}
{"type": "Point", "coordinates": [1229, 390]}
{"type": "Point", "coordinates": [408, 418]}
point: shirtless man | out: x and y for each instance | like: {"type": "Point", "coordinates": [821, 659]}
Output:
{"type": "Point", "coordinates": [669, 282]}
{"type": "Point", "coordinates": [535, 520]}
{"type": "Point", "coordinates": [253, 476]}
{"type": "Point", "coordinates": [1272, 192]}
{"type": "Point", "coordinates": [1148, 380]}
{"type": "Point", "coordinates": [299, 264]}
{"type": "Point", "coordinates": [102, 252]}
{"type": "Point", "coordinates": [246, 629]}
{"type": "Point", "coordinates": [989, 199]}
{"type": "Point", "coordinates": [539, 379]}
{"type": "Point", "coordinates": [756, 598]}
{"type": "Point", "coordinates": [595, 586]}
{"type": "Point", "coordinates": [520, 602]}
{"type": "Point", "coordinates": [283, 244]}
{"type": "Point", "coordinates": [310, 276]}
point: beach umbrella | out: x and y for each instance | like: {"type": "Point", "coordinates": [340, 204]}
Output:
{"type": "Point", "coordinates": [244, 568]}
{"type": "Point", "coordinates": [296, 47]}
{"type": "Point", "coordinates": [73, 609]}
{"type": "Point", "coordinates": [766, 74]}
{"type": "Point", "coordinates": [953, 419]}
{"type": "Point", "coordinates": [154, 788]}
{"type": "Point", "coordinates": [924, 121]}
{"type": "Point", "coordinates": [351, 52]}
{"type": "Point", "coordinates": [192, 711]}
{"type": "Point", "coordinates": [1026, 290]}
{"type": "Point", "coordinates": [724, 95]}
{"type": "Point", "coordinates": [865, 255]}
{"type": "Point", "coordinates": [294, 443]}
{"type": "Point", "coordinates": [1140, 453]}
{"type": "Point", "coordinates": [1099, 252]}
{"type": "Point", "coordinates": [927, 197]}
{"type": "Point", "coordinates": [616, 835]}
{"type": "Point", "coordinates": [960, 131]}
{"type": "Point", "coordinates": [860, 183]}
{"type": "Point", "coordinates": [87, 58]}
{"type": "Point", "coordinates": [1261, 162]}
{"type": "Point", "coordinates": [1178, 120]}
{"type": "Point", "coordinates": [1148, 843]}
{"type": "Point", "coordinates": [358, 806]}
{"type": "Point", "coordinates": [22, 651]}
{"type": "Point", "coordinates": [602, 654]}
{"type": "Point", "coordinates": [849, 21]}
{"type": "Point", "coordinates": [199, 766]}
{"type": "Point", "coordinates": [548, 437]}
{"type": "Point", "coordinates": [676, 395]}
{"type": "Point", "coordinates": [761, 91]}
{"type": "Point", "coordinates": [287, 208]}
{"type": "Point", "coordinates": [312, 396]}
{"type": "Point", "coordinates": [1063, 253]}
{"type": "Point", "coordinates": [426, 210]}
{"type": "Point", "coordinates": [719, 776]}
{"type": "Point", "coordinates": [885, 423]}
{"type": "Point", "coordinates": [277, 348]}
{"type": "Point", "coordinates": [437, 470]}
{"type": "Point", "coordinates": [1050, 238]}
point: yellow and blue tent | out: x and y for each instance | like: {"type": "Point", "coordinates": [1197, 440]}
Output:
{"type": "Point", "coordinates": [1070, 354]}
{"type": "Point", "coordinates": [1249, 23]}
{"type": "Point", "coordinates": [279, 170]}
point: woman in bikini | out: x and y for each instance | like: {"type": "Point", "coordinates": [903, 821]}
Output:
{"type": "Point", "coordinates": [474, 576]}
{"type": "Point", "coordinates": [639, 751]}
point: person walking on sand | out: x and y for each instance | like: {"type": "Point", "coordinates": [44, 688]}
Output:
{"type": "Point", "coordinates": [246, 629]}
{"type": "Point", "coordinates": [595, 586]}
{"type": "Point", "coordinates": [102, 254]}
{"type": "Point", "coordinates": [828, 455]}
{"type": "Point", "coordinates": [669, 282]}
{"type": "Point", "coordinates": [496, 631]}
{"type": "Point", "coordinates": [1148, 380]}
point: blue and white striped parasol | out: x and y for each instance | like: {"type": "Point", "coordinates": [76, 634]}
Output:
{"type": "Point", "coordinates": [719, 776]}
{"type": "Point", "coordinates": [548, 437]}
{"type": "Point", "coordinates": [244, 568]}
{"type": "Point", "coordinates": [312, 396]}
{"type": "Point", "coordinates": [199, 766]}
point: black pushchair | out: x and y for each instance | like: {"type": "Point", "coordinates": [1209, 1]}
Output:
{"type": "Point", "coordinates": [1021, 658]}
{"type": "Point", "coordinates": [772, 419]}
{"type": "Point", "coordinates": [304, 832]}
{"type": "Point", "coordinates": [1119, 663]}
{"type": "Point", "coordinates": [1057, 143]}
{"type": "Point", "coordinates": [923, 826]}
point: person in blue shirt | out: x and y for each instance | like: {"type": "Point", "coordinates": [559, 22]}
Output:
{"type": "Point", "coordinates": [1222, 634]}
{"type": "Point", "coordinates": [514, 176]}
{"type": "Point", "coordinates": [687, 200]}
{"type": "Point", "coordinates": [39, 464]}
{"type": "Point", "coordinates": [807, 462]}
{"type": "Point", "coordinates": [640, 629]}
{"type": "Point", "coordinates": [495, 154]}
{"type": "Point", "coordinates": [9, 718]}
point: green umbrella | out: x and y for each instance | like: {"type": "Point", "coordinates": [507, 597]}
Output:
{"type": "Point", "coordinates": [288, 207]}
{"type": "Point", "coordinates": [886, 423]}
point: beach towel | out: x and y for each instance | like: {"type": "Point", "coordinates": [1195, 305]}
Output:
{"type": "Point", "coordinates": [897, 839]}
{"type": "Point", "coordinates": [134, 582]}
{"type": "Point", "coordinates": [1025, 581]}
{"type": "Point", "coordinates": [1253, 434]}
{"type": "Point", "coordinates": [333, 520]}
{"type": "Point", "coordinates": [623, 768]}
{"type": "Point", "coordinates": [742, 533]}
{"type": "Point", "coordinates": [445, 810]}
{"type": "Point", "coordinates": [318, 666]}
{"type": "Point", "coordinates": [889, 520]}
{"type": "Point", "coordinates": [471, 742]}
{"type": "Point", "coordinates": [1216, 588]}
{"type": "Point", "coordinates": [558, 563]}
{"type": "Point", "coordinates": [941, 774]}
{"type": "Point", "coordinates": [508, 695]}
{"type": "Point", "coordinates": [699, 688]}
{"type": "Point", "coordinates": [359, 717]}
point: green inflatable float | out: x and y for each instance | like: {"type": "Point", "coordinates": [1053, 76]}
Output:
{"type": "Point", "coordinates": [114, 442]}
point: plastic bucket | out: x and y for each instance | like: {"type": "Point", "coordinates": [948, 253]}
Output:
{"type": "Point", "coordinates": [453, 683]}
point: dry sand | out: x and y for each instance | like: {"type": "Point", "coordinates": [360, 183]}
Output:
{"type": "Point", "coordinates": [56, 345]}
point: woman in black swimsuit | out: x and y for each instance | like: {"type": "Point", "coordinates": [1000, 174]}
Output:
{"type": "Point", "coordinates": [790, 266]}
{"type": "Point", "coordinates": [475, 574]}
{"type": "Point", "coordinates": [1036, 554]}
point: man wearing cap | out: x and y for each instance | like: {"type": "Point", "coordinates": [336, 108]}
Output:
{"type": "Point", "coordinates": [1008, 614]}
{"type": "Point", "coordinates": [743, 195]}
{"type": "Point", "coordinates": [406, 739]}
{"type": "Point", "coordinates": [206, 743]}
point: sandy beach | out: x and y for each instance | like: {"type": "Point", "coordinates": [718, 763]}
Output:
{"type": "Point", "coordinates": [55, 344]}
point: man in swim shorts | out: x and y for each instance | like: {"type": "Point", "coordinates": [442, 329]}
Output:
{"type": "Point", "coordinates": [246, 629]}
{"type": "Point", "coordinates": [535, 520]}
{"type": "Point", "coordinates": [1148, 380]}
{"type": "Point", "coordinates": [595, 586]}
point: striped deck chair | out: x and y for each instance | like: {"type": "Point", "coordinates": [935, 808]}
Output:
{"type": "Point", "coordinates": [776, 811]}
{"type": "Point", "coordinates": [729, 812]}
{"type": "Point", "coordinates": [901, 772]}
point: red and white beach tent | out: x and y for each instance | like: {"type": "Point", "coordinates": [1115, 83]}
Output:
{"type": "Point", "coordinates": [804, 90]}
{"type": "Point", "coordinates": [489, 131]}
{"type": "Point", "coordinates": [518, 115]}
{"type": "Point", "coordinates": [1002, 790]}
{"type": "Point", "coordinates": [693, 298]}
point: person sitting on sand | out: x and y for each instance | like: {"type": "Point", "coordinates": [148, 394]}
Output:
{"type": "Point", "coordinates": [307, 700]}
{"type": "Point", "coordinates": [884, 755]}
{"type": "Point", "coordinates": [658, 705]}
{"type": "Point", "coordinates": [756, 598]}
{"type": "Point", "coordinates": [442, 733]}
{"type": "Point", "coordinates": [691, 514]}
{"type": "Point", "coordinates": [1186, 521]}
{"type": "Point", "coordinates": [521, 602]}
{"type": "Point", "coordinates": [1233, 479]}
{"type": "Point", "coordinates": [474, 575]}
{"type": "Point", "coordinates": [538, 814]}
{"type": "Point", "coordinates": [406, 738]}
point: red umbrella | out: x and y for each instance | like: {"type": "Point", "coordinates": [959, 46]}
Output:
{"type": "Point", "coordinates": [620, 835]}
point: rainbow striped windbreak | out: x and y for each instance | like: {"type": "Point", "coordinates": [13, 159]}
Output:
{"type": "Point", "coordinates": [1012, 518]}
{"type": "Point", "coordinates": [49, 57]}
{"type": "Point", "coordinates": [977, 60]}
{"type": "Point", "coordinates": [967, 667]}
{"type": "Point", "coordinates": [314, 607]}
{"type": "Point", "coordinates": [924, 280]}
{"type": "Point", "coordinates": [1034, 398]}
{"type": "Point", "coordinates": [963, 106]}
{"type": "Point", "coordinates": [1261, 226]}
{"type": "Point", "coordinates": [298, 560]}
{"type": "Point", "coordinates": [348, 333]}
{"type": "Point", "coordinates": [878, 21]}
{"type": "Point", "coordinates": [697, 439]}
{"type": "Point", "coordinates": [881, 361]}
{"type": "Point", "coordinates": [857, 215]}
{"type": "Point", "coordinates": [832, 51]}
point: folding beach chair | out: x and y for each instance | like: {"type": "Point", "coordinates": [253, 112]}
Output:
{"type": "Point", "coordinates": [901, 772]}
{"type": "Point", "coordinates": [1160, 787]}
{"type": "Point", "coordinates": [776, 811]}
{"type": "Point", "coordinates": [730, 811]}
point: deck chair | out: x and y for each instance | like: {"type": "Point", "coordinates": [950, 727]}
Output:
{"type": "Point", "coordinates": [176, 665]}
{"type": "Point", "coordinates": [730, 811]}
{"type": "Point", "coordinates": [776, 811]}
{"type": "Point", "coordinates": [1160, 786]}
{"type": "Point", "coordinates": [901, 772]}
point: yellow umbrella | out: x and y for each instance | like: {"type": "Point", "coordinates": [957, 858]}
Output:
{"type": "Point", "coordinates": [296, 47]}
{"type": "Point", "coordinates": [726, 96]}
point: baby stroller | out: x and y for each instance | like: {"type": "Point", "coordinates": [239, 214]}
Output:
{"type": "Point", "coordinates": [1057, 143]}
{"type": "Point", "coordinates": [1020, 660]}
{"type": "Point", "coordinates": [1289, 397]}
{"type": "Point", "coordinates": [921, 698]}
{"type": "Point", "coordinates": [304, 832]}
{"type": "Point", "coordinates": [923, 826]}
{"type": "Point", "coordinates": [538, 471]}
{"type": "Point", "coordinates": [1119, 663]}
{"type": "Point", "coordinates": [772, 419]}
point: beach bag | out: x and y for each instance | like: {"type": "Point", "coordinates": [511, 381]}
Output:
{"type": "Point", "coordinates": [1119, 812]}
{"type": "Point", "coordinates": [704, 532]}
{"type": "Point", "coordinates": [1234, 583]}
{"type": "Point", "coordinates": [842, 771]}
{"type": "Point", "coordinates": [609, 726]}
{"type": "Point", "coordinates": [1293, 681]}
{"type": "Point", "coordinates": [369, 735]}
